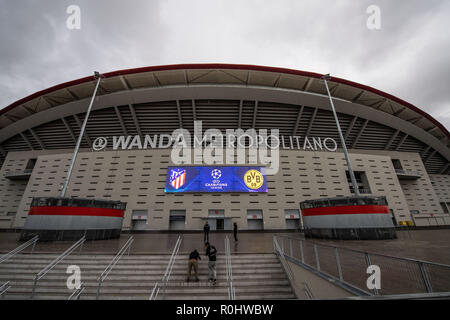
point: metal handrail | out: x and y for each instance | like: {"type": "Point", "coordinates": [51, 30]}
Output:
{"type": "Point", "coordinates": [155, 292]}
{"type": "Point", "coordinates": [372, 254]}
{"type": "Point", "coordinates": [20, 248]}
{"type": "Point", "coordinates": [5, 287]}
{"type": "Point", "coordinates": [286, 267]}
{"type": "Point", "coordinates": [226, 267]}
{"type": "Point", "coordinates": [170, 266]}
{"type": "Point", "coordinates": [76, 294]}
{"type": "Point", "coordinates": [339, 281]}
{"type": "Point", "coordinates": [308, 291]}
{"type": "Point", "coordinates": [229, 268]}
{"type": "Point", "coordinates": [167, 273]}
{"type": "Point", "coordinates": [57, 260]}
{"type": "Point", "coordinates": [284, 263]}
{"type": "Point", "coordinates": [422, 265]}
{"type": "Point", "coordinates": [113, 262]}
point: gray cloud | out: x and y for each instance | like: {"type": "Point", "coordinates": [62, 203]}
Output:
{"type": "Point", "coordinates": [408, 57]}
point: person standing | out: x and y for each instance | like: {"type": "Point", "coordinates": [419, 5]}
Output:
{"type": "Point", "coordinates": [206, 232]}
{"type": "Point", "coordinates": [211, 254]}
{"type": "Point", "coordinates": [235, 230]}
{"type": "Point", "coordinates": [193, 263]}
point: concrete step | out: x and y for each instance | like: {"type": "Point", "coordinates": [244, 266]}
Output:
{"type": "Point", "coordinates": [255, 276]}
{"type": "Point", "coordinates": [145, 294]}
{"type": "Point", "coordinates": [75, 255]}
{"type": "Point", "coordinates": [139, 269]}
{"type": "Point", "coordinates": [139, 283]}
{"type": "Point", "coordinates": [157, 277]}
{"type": "Point", "coordinates": [131, 264]}
{"type": "Point", "coordinates": [133, 259]}
{"type": "Point", "coordinates": [266, 296]}
{"type": "Point", "coordinates": [138, 261]}
{"type": "Point", "coordinates": [156, 273]}
{"type": "Point", "coordinates": [207, 289]}
{"type": "Point", "coordinates": [132, 267]}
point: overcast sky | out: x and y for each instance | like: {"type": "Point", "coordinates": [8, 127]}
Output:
{"type": "Point", "coordinates": [408, 57]}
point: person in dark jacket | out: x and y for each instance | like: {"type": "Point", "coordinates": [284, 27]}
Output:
{"type": "Point", "coordinates": [193, 263]}
{"type": "Point", "coordinates": [211, 253]}
{"type": "Point", "coordinates": [206, 232]}
{"type": "Point", "coordinates": [235, 229]}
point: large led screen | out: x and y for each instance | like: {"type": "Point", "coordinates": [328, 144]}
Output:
{"type": "Point", "coordinates": [216, 179]}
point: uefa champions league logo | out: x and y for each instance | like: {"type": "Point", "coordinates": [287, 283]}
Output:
{"type": "Point", "coordinates": [216, 174]}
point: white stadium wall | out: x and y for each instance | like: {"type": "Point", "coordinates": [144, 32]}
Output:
{"type": "Point", "coordinates": [138, 177]}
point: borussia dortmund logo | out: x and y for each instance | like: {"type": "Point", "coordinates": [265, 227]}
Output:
{"type": "Point", "coordinates": [253, 179]}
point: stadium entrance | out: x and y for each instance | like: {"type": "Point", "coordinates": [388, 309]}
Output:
{"type": "Point", "coordinates": [255, 220]}
{"type": "Point", "coordinates": [218, 221]}
{"type": "Point", "coordinates": [177, 219]}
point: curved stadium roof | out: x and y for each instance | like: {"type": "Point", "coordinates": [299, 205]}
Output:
{"type": "Point", "coordinates": [363, 109]}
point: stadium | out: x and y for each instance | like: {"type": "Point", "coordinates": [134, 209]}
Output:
{"type": "Point", "coordinates": [397, 150]}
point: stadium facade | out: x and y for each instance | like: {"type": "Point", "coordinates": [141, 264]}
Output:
{"type": "Point", "coordinates": [397, 150]}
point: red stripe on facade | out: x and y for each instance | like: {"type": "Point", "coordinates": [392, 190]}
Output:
{"type": "Point", "coordinates": [76, 211]}
{"type": "Point", "coordinates": [345, 210]}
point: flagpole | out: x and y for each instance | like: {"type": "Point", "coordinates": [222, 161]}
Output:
{"type": "Point", "coordinates": [344, 147]}
{"type": "Point", "coordinates": [80, 137]}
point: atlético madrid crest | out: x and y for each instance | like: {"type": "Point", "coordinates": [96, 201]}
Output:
{"type": "Point", "coordinates": [177, 178]}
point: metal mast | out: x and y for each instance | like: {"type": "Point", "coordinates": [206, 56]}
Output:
{"type": "Point", "coordinates": [83, 127]}
{"type": "Point", "coordinates": [347, 158]}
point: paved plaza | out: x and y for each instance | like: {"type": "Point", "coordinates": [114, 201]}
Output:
{"type": "Point", "coordinates": [429, 245]}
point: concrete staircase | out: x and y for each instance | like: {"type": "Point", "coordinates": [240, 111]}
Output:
{"type": "Point", "coordinates": [256, 276]}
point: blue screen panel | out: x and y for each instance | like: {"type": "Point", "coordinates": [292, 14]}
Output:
{"type": "Point", "coordinates": [216, 179]}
